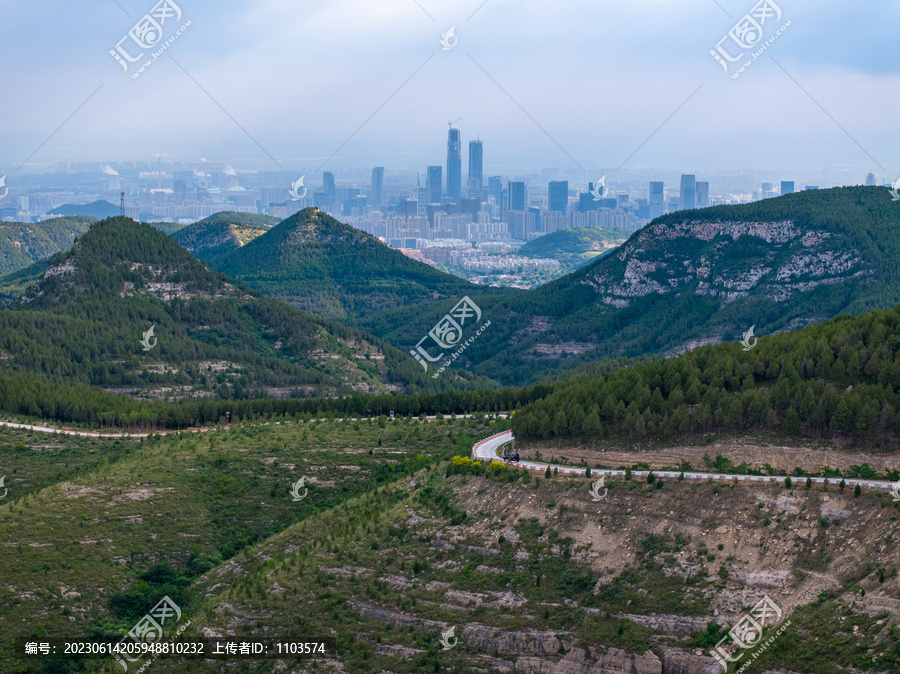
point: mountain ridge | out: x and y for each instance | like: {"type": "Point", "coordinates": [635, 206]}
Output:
{"type": "Point", "coordinates": [82, 322]}
{"type": "Point", "coordinates": [331, 269]}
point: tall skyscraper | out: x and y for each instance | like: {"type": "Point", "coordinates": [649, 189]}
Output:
{"type": "Point", "coordinates": [871, 179]}
{"type": "Point", "coordinates": [328, 184]}
{"type": "Point", "coordinates": [702, 194]}
{"type": "Point", "coordinates": [476, 168]}
{"type": "Point", "coordinates": [495, 189]}
{"type": "Point", "coordinates": [433, 183]}
{"type": "Point", "coordinates": [517, 196]}
{"type": "Point", "coordinates": [787, 186]}
{"type": "Point", "coordinates": [767, 190]}
{"type": "Point", "coordinates": [657, 199]}
{"type": "Point", "coordinates": [559, 196]}
{"type": "Point", "coordinates": [454, 166]}
{"type": "Point", "coordinates": [375, 196]}
{"type": "Point", "coordinates": [688, 192]}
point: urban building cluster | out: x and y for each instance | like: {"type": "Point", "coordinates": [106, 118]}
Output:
{"type": "Point", "coordinates": [406, 209]}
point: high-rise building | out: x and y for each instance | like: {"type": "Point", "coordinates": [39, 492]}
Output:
{"type": "Point", "coordinates": [787, 186]}
{"type": "Point", "coordinates": [688, 192]}
{"type": "Point", "coordinates": [375, 195]}
{"type": "Point", "coordinates": [454, 166]}
{"type": "Point", "coordinates": [702, 194]}
{"type": "Point", "coordinates": [767, 190]}
{"type": "Point", "coordinates": [495, 189]}
{"type": "Point", "coordinates": [558, 193]}
{"type": "Point", "coordinates": [657, 199]}
{"type": "Point", "coordinates": [476, 168]}
{"type": "Point", "coordinates": [433, 183]}
{"type": "Point", "coordinates": [871, 179]}
{"type": "Point", "coordinates": [516, 196]}
{"type": "Point", "coordinates": [328, 184]}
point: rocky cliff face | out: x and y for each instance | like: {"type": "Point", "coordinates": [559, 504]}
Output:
{"type": "Point", "coordinates": [727, 261]}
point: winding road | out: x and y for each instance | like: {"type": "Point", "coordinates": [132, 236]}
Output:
{"type": "Point", "coordinates": [486, 450]}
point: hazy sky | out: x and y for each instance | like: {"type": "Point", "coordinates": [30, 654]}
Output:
{"type": "Point", "coordinates": [567, 85]}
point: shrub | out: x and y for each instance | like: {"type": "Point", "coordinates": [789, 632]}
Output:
{"type": "Point", "coordinates": [787, 483]}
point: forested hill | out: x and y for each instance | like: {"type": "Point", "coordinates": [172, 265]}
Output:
{"type": "Point", "coordinates": [332, 270]}
{"type": "Point", "coordinates": [693, 278]}
{"type": "Point", "coordinates": [222, 233]}
{"type": "Point", "coordinates": [84, 321]}
{"type": "Point", "coordinates": [577, 246]}
{"type": "Point", "coordinates": [24, 243]}
{"type": "Point", "coordinates": [839, 378]}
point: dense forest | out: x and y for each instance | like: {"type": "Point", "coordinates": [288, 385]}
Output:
{"type": "Point", "coordinates": [83, 321]}
{"type": "Point", "coordinates": [688, 279]}
{"type": "Point", "coordinates": [23, 243]}
{"type": "Point", "coordinates": [37, 396]}
{"type": "Point", "coordinates": [838, 378]}
{"type": "Point", "coordinates": [335, 271]}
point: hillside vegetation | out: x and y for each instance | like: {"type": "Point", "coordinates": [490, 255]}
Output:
{"type": "Point", "coordinates": [399, 536]}
{"type": "Point", "coordinates": [687, 279]}
{"type": "Point", "coordinates": [24, 243]}
{"type": "Point", "coordinates": [575, 247]}
{"type": "Point", "coordinates": [222, 233]}
{"type": "Point", "coordinates": [838, 378]}
{"type": "Point", "coordinates": [335, 271]}
{"type": "Point", "coordinates": [82, 324]}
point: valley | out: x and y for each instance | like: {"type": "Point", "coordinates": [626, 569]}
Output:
{"type": "Point", "coordinates": [271, 460]}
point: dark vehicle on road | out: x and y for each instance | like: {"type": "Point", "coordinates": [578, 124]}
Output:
{"type": "Point", "coordinates": [508, 456]}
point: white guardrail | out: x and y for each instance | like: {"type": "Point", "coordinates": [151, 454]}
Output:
{"type": "Point", "coordinates": [487, 450]}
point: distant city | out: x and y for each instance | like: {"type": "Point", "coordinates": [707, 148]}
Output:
{"type": "Point", "coordinates": [434, 216]}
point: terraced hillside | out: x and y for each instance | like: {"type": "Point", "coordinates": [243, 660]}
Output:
{"type": "Point", "coordinates": [394, 545]}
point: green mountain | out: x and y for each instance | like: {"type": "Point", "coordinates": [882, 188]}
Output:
{"type": "Point", "coordinates": [95, 209]}
{"type": "Point", "coordinates": [330, 269]}
{"type": "Point", "coordinates": [577, 246]}
{"type": "Point", "coordinates": [23, 243]}
{"type": "Point", "coordinates": [222, 233]}
{"type": "Point", "coordinates": [833, 378]}
{"type": "Point", "coordinates": [687, 279]}
{"type": "Point", "coordinates": [82, 323]}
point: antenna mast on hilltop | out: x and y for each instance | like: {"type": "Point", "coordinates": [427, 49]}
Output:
{"type": "Point", "coordinates": [122, 204]}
